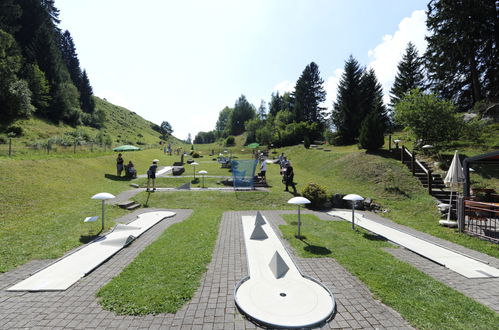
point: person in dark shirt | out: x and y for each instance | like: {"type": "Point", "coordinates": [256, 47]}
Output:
{"type": "Point", "coordinates": [289, 176]}
{"type": "Point", "coordinates": [151, 175]}
{"type": "Point", "coordinates": [119, 165]}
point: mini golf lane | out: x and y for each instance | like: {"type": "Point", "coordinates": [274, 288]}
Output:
{"type": "Point", "coordinates": [65, 272]}
{"type": "Point", "coordinates": [275, 293]}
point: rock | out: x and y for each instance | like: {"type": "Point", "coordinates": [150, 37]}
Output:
{"type": "Point", "coordinates": [367, 203]}
{"type": "Point", "coordinates": [134, 185]}
{"type": "Point", "coordinates": [338, 201]}
{"type": "Point", "coordinates": [469, 117]}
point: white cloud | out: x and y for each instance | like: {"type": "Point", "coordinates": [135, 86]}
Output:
{"type": "Point", "coordinates": [284, 87]}
{"type": "Point", "coordinates": [388, 53]}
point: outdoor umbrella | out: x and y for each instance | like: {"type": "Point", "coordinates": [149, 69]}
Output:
{"type": "Point", "coordinates": [253, 145]}
{"type": "Point", "coordinates": [126, 147]}
{"type": "Point", "coordinates": [454, 178]}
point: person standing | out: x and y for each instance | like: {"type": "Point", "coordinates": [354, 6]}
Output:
{"type": "Point", "coordinates": [119, 165]}
{"type": "Point", "coordinates": [263, 169]}
{"type": "Point", "coordinates": [151, 175]}
{"type": "Point", "coordinates": [289, 176]}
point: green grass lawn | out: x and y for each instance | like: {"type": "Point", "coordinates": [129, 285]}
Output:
{"type": "Point", "coordinates": [423, 301]}
{"type": "Point", "coordinates": [44, 202]}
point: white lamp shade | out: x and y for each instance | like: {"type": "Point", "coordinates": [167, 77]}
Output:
{"type": "Point", "coordinates": [103, 196]}
{"type": "Point", "coordinates": [427, 146]}
{"type": "Point", "coordinates": [397, 141]}
{"type": "Point", "coordinates": [194, 164]}
{"type": "Point", "coordinates": [298, 201]}
{"type": "Point", "coordinates": [353, 197]}
{"type": "Point", "coordinates": [155, 160]}
{"type": "Point", "coordinates": [203, 172]}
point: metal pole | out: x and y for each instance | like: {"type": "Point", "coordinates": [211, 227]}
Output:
{"type": "Point", "coordinates": [353, 218]}
{"type": "Point", "coordinates": [299, 222]}
{"type": "Point", "coordinates": [10, 147]}
{"type": "Point", "coordinates": [102, 215]}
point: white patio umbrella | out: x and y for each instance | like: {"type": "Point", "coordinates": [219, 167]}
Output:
{"type": "Point", "coordinates": [454, 178]}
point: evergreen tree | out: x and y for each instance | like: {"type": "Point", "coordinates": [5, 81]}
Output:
{"type": "Point", "coordinates": [372, 132]}
{"type": "Point", "coordinates": [309, 94]}
{"type": "Point", "coordinates": [409, 75]}
{"type": "Point", "coordinates": [86, 94]}
{"type": "Point", "coordinates": [372, 98]}
{"type": "Point", "coordinates": [347, 111]}
{"type": "Point", "coordinates": [462, 53]}
{"type": "Point", "coordinates": [243, 111]}
{"type": "Point", "coordinates": [275, 104]}
{"type": "Point", "coordinates": [262, 111]}
{"type": "Point", "coordinates": [68, 52]}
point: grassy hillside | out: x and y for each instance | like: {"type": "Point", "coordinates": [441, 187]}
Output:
{"type": "Point", "coordinates": [121, 125]}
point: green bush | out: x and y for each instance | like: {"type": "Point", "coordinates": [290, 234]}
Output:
{"type": "Point", "coordinates": [195, 154]}
{"type": "Point", "coordinates": [306, 142]}
{"type": "Point", "coordinates": [230, 141]}
{"type": "Point", "coordinates": [371, 135]}
{"type": "Point", "coordinates": [316, 193]}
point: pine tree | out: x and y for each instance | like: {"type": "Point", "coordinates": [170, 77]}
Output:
{"type": "Point", "coordinates": [372, 98]}
{"type": "Point", "coordinates": [243, 111]}
{"type": "Point", "coordinates": [347, 113]}
{"type": "Point", "coordinates": [462, 53]}
{"type": "Point", "coordinates": [262, 111]}
{"type": "Point", "coordinates": [409, 75]}
{"type": "Point", "coordinates": [309, 94]}
{"type": "Point", "coordinates": [86, 94]}
{"type": "Point", "coordinates": [69, 56]}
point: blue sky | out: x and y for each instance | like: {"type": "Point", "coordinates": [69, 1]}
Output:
{"type": "Point", "coordinates": [184, 61]}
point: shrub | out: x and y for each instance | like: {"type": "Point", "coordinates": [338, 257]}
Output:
{"type": "Point", "coordinates": [230, 141]}
{"type": "Point", "coordinates": [316, 193]}
{"type": "Point", "coordinates": [15, 131]}
{"type": "Point", "coordinates": [306, 142]}
{"type": "Point", "coordinates": [195, 155]}
{"type": "Point", "coordinates": [371, 135]}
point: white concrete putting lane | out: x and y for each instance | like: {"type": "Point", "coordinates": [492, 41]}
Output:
{"type": "Point", "coordinates": [273, 294]}
{"type": "Point", "coordinates": [461, 264]}
{"type": "Point", "coordinates": [68, 270]}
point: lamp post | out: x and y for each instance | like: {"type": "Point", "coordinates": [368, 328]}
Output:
{"type": "Point", "coordinates": [353, 198]}
{"type": "Point", "coordinates": [397, 143]}
{"type": "Point", "coordinates": [299, 201]}
{"type": "Point", "coordinates": [203, 173]}
{"type": "Point", "coordinates": [194, 164]}
{"type": "Point", "coordinates": [103, 197]}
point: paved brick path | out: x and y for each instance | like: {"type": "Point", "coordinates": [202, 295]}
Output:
{"type": "Point", "coordinates": [213, 305]}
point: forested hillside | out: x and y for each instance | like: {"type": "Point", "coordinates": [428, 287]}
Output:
{"type": "Point", "coordinates": [40, 74]}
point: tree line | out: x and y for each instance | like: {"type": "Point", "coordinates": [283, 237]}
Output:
{"type": "Point", "coordinates": [457, 72]}
{"type": "Point", "coordinates": [40, 73]}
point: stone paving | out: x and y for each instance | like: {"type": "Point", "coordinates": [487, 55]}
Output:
{"type": "Point", "coordinates": [213, 304]}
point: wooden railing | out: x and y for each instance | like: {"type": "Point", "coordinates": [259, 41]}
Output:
{"type": "Point", "coordinates": [406, 154]}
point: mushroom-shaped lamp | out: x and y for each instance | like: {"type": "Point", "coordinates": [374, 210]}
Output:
{"type": "Point", "coordinates": [353, 198]}
{"type": "Point", "coordinates": [299, 201]}
{"type": "Point", "coordinates": [194, 164]}
{"type": "Point", "coordinates": [203, 173]}
{"type": "Point", "coordinates": [103, 196]}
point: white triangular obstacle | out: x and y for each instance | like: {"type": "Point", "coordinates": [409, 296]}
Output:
{"type": "Point", "coordinates": [278, 265]}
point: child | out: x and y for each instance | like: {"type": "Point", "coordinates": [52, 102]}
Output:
{"type": "Point", "coordinates": [151, 175]}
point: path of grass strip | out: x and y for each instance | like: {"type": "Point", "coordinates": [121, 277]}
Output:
{"type": "Point", "coordinates": [167, 274]}
{"type": "Point", "coordinates": [420, 299]}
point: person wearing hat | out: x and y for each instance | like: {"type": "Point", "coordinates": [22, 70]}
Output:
{"type": "Point", "coordinates": [151, 175]}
